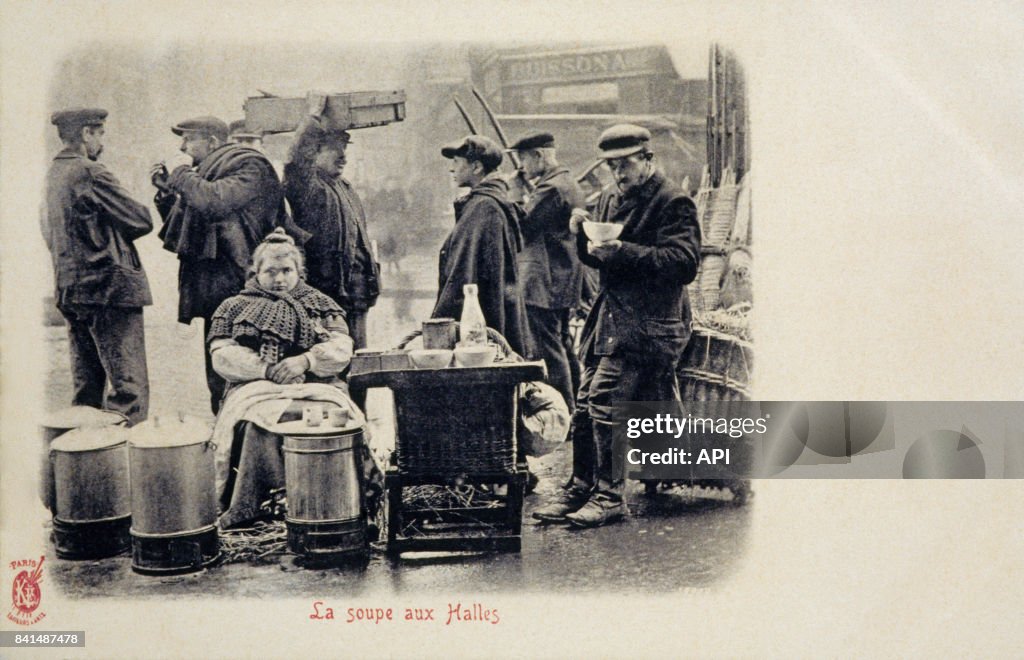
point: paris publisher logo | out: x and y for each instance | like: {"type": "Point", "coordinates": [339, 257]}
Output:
{"type": "Point", "coordinates": [25, 592]}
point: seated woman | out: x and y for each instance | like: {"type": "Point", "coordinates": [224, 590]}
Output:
{"type": "Point", "coordinates": [280, 344]}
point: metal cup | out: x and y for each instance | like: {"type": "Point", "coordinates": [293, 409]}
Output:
{"type": "Point", "coordinates": [313, 415]}
{"type": "Point", "coordinates": [338, 417]}
{"type": "Point", "coordinates": [439, 333]}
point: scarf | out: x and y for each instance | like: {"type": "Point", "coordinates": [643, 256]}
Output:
{"type": "Point", "coordinates": [190, 234]}
{"type": "Point", "coordinates": [282, 318]}
{"type": "Point", "coordinates": [494, 187]}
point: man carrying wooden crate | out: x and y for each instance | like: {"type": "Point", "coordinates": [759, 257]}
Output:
{"type": "Point", "coordinates": [339, 258]}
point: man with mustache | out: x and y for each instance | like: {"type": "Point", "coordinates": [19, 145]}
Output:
{"type": "Point", "coordinates": [639, 324]}
{"type": "Point", "coordinates": [549, 270]}
{"type": "Point", "coordinates": [339, 258]}
{"type": "Point", "coordinates": [90, 226]}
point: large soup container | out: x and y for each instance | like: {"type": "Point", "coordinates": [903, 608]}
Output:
{"type": "Point", "coordinates": [326, 520]}
{"type": "Point", "coordinates": [92, 502]}
{"type": "Point", "coordinates": [173, 496]}
{"type": "Point", "coordinates": [58, 423]}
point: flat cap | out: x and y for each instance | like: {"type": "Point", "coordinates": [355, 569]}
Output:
{"type": "Point", "coordinates": [475, 147]}
{"type": "Point", "coordinates": [78, 116]}
{"type": "Point", "coordinates": [623, 140]}
{"type": "Point", "coordinates": [206, 125]}
{"type": "Point", "coordinates": [534, 141]}
{"type": "Point", "coordinates": [237, 129]}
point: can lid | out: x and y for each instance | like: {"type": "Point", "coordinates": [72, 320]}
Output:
{"type": "Point", "coordinates": [91, 438]}
{"type": "Point", "coordinates": [170, 431]}
{"type": "Point", "coordinates": [298, 429]}
{"type": "Point", "coordinates": [78, 416]}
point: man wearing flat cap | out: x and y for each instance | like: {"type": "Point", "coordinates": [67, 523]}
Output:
{"type": "Point", "coordinates": [482, 247]}
{"type": "Point", "coordinates": [239, 134]}
{"type": "Point", "coordinates": [339, 258]}
{"type": "Point", "coordinates": [549, 269]}
{"type": "Point", "coordinates": [639, 323]}
{"type": "Point", "coordinates": [90, 226]}
{"type": "Point", "coordinates": [216, 211]}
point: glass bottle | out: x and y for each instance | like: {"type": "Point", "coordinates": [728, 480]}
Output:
{"type": "Point", "coordinates": [472, 326]}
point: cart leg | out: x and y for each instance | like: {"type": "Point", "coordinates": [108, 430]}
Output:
{"type": "Point", "coordinates": [514, 501]}
{"type": "Point", "coordinates": [393, 486]}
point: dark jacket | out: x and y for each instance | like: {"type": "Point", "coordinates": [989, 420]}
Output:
{"type": "Point", "coordinates": [215, 218]}
{"type": "Point", "coordinates": [90, 225]}
{"type": "Point", "coordinates": [481, 249]}
{"type": "Point", "coordinates": [548, 265]}
{"type": "Point", "coordinates": [339, 259]}
{"type": "Point", "coordinates": [642, 308]}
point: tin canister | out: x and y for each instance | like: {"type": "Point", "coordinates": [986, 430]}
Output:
{"type": "Point", "coordinates": [323, 476]}
{"type": "Point", "coordinates": [439, 333]}
{"type": "Point", "coordinates": [58, 423]}
{"type": "Point", "coordinates": [92, 500]}
{"type": "Point", "coordinates": [174, 497]}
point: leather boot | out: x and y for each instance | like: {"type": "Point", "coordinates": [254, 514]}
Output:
{"type": "Point", "coordinates": [606, 505]}
{"type": "Point", "coordinates": [600, 509]}
{"type": "Point", "coordinates": [571, 497]}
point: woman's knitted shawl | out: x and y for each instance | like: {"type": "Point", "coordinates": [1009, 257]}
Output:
{"type": "Point", "coordinates": [287, 319]}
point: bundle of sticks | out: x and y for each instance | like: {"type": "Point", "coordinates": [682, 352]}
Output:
{"type": "Point", "coordinates": [262, 540]}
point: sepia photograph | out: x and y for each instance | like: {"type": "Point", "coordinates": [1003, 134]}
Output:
{"type": "Point", "coordinates": [318, 321]}
{"type": "Point", "coordinates": [340, 409]}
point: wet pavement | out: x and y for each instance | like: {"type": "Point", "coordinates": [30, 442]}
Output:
{"type": "Point", "coordinates": [674, 540]}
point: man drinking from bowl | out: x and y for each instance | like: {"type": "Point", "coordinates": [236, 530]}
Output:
{"type": "Point", "coordinates": [640, 321]}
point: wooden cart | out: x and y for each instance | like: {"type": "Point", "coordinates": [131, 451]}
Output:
{"type": "Point", "coordinates": [453, 425]}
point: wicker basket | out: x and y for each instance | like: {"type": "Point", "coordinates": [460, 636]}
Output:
{"type": "Point", "coordinates": [719, 216]}
{"type": "Point", "coordinates": [506, 354]}
{"type": "Point", "coordinates": [433, 442]}
{"type": "Point", "coordinates": [709, 281]}
{"type": "Point", "coordinates": [715, 369]}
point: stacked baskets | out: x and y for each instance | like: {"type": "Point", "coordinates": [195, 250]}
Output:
{"type": "Point", "coordinates": [717, 362]}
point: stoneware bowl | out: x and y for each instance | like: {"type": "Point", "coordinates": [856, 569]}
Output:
{"type": "Point", "coordinates": [431, 358]}
{"type": "Point", "coordinates": [599, 232]}
{"type": "Point", "coordinates": [475, 356]}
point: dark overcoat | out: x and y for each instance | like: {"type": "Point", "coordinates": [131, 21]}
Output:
{"type": "Point", "coordinates": [339, 259]}
{"type": "Point", "coordinates": [548, 265]}
{"type": "Point", "coordinates": [642, 309]}
{"type": "Point", "coordinates": [481, 249]}
{"type": "Point", "coordinates": [215, 217]}
{"type": "Point", "coordinates": [90, 225]}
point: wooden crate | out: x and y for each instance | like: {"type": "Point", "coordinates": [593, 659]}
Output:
{"type": "Point", "coordinates": [272, 114]}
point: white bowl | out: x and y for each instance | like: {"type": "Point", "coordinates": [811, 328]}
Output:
{"type": "Point", "coordinates": [599, 232]}
{"type": "Point", "coordinates": [431, 358]}
{"type": "Point", "coordinates": [475, 356]}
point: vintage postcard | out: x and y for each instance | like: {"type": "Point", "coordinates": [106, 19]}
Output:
{"type": "Point", "coordinates": [319, 321]}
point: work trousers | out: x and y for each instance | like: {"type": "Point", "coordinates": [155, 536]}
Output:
{"type": "Point", "coordinates": [356, 320]}
{"type": "Point", "coordinates": [108, 344]}
{"type": "Point", "coordinates": [549, 328]}
{"type": "Point", "coordinates": [606, 381]}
